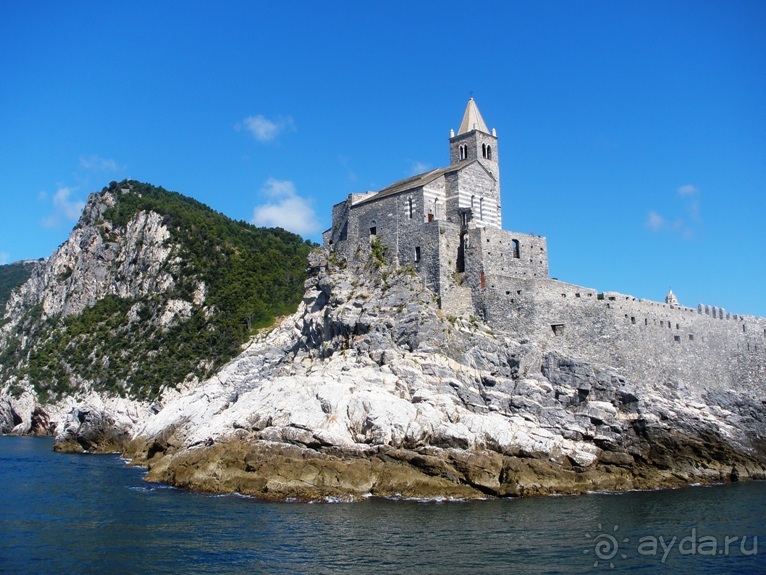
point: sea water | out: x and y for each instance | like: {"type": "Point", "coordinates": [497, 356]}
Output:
{"type": "Point", "coordinates": [93, 514]}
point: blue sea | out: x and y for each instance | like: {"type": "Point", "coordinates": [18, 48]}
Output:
{"type": "Point", "coordinates": [73, 514]}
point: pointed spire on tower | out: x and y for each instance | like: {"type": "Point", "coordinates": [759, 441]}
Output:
{"type": "Point", "coordinates": [472, 119]}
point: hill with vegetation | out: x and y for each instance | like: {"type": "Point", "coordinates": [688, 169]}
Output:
{"type": "Point", "coordinates": [152, 289]}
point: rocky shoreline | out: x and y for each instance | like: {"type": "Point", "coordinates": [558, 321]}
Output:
{"type": "Point", "coordinates": [368, 390]}
{"type": "Point", "coordinates": [278, 471]}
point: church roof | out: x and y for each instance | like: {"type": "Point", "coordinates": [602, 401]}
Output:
{"type": "Point", "coordinates": [414, 182]}
{"type": "Point", "coordinates": [472, 119]}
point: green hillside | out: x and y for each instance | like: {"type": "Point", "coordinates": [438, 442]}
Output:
{"type": "Point", "coordinates": [251, 274]}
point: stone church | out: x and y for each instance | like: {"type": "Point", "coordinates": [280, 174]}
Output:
{"type": "Point", "coordinates": [431, 221]}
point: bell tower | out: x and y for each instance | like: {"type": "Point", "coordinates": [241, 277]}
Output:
{"type": "Point", "coordinates": [474, 142]}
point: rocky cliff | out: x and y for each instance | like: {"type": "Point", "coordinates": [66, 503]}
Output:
{"type": "Point", "coordinates": [151, 290]}
{"type": "Point", "coordinates": [369, 390]}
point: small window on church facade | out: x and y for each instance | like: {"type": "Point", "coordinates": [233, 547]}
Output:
{"type": "Point", "coordinates": [515, 249]}
{"type": "Point", "coordinates": [489, 152]}
{"type": "Point", "coordinates": [409, 208]}
{"type": "Point", "coordinates": [373, 228]}
{"type": "Point", "coordinates": [463, 148]}
{"type": "Point", "coordinates": [417, 253]}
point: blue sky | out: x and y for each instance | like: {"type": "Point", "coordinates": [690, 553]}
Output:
{"type": "Point", "coordinates": [631, 134]}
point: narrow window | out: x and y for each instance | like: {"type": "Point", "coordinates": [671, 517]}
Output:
{"type": "Point", "coordinates": [489, 152]}
{"type": "Point", "coordinates": [677, 338]}
{"type": "Point", "coordinates": [515, 249]}
{"type": "Point", "coordinates": [484, 150]}
{"type": "Point", "coordinates": [373, 228]}
{"type": "Point", "coordinates": [482, 280]}
{"type": "Point", "coordinates": [409, 208]}
{"type": "Point", "coordinates": [417, 253]}
{"type": "Point", "coordinates": [430, 217]}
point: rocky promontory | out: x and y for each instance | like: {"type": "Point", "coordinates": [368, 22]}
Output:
{"type": "Point", "coordinates": [368, 389]}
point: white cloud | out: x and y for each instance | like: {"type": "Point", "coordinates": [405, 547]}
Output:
{"type": "Point", "coordinates": [655, 222]}
{"type": "Point", "coordinates": [288, 210]}
{"type": "Point", "coordinates": [100, 164]}
{"type": "Point", "coordinates": [265, 130]}
{"type": "Point", "coordinates": [691, 198]}
{"type": "Point", "coordinates": [5, 258]}
{"type": "Point", "coordinates": [350, 173]}
{"type": "Point", "coordinates": [65, 207]}
{"type": "Point", "coordinates": [274, 188]}
{"type": "Point", "coordinates": [688, 190]}
{"type": "Point", "coordinates": [685, 226]}
{"type": "Point", "coordinates": [419, 168]}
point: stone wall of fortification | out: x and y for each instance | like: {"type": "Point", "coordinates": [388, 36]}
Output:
{"type": "Point", "coordinates": [649, 340]}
